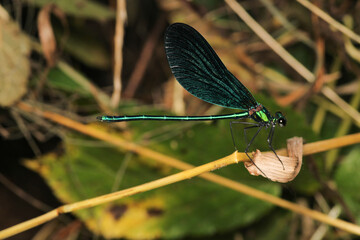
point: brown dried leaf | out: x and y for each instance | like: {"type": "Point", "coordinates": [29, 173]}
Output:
{"type": "Point", "coordinates": [271, 166]}
{"type": "Point", "coordinates": [15, 65]}
{"type": "Point", "coordinates": [46, 33]}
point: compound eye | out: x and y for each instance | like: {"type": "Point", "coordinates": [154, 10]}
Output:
{"type": "Point", "coordinates": [282, 122]}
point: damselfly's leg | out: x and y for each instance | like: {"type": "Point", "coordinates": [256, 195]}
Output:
{"type": "Point", "coordinates": [251, 141]}
{"type": "Point", "coordinates": [232, 133]}
{"type": "Point", "coordinates": [269, 140]}
{"type": "Point", "coordinates": [248, 144]}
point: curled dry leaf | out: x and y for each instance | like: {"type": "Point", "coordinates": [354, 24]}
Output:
{"type": "Point", "coordinates": [271, 166]}
{"type": "Point", "coordinates": [15, 64]}
{"type": "Point", "coordinates": [46, 33]}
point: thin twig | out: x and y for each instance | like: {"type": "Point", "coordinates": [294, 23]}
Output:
{"type": "Point", "coordinates": [118, 42]}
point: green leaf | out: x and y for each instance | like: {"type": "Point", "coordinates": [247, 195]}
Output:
{"type": "Point", "coordinates": [58, 79]}
{"type": "Point", "coordinates": [347, 180]}
{"type": "Point", "coordinates": [15, 65]}
{"type": "Point", "coordinates": [79, 8]}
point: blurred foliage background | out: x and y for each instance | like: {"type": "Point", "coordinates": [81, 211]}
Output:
{"type": "Point", "coordinates": [62, 56]}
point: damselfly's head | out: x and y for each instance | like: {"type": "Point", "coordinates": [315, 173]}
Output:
{"type": "Point", "coordinates": [281, 120]}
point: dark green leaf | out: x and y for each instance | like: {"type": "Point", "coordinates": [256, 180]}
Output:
{"type": "Point", "coordinates": [58, 79]}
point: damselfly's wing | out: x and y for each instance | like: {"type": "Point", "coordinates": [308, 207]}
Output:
{"type": "Point", "coordinates": [200, 71]}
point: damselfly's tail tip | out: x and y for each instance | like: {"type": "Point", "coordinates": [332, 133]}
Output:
{"type": "Point", "coordinates": [100, 118]}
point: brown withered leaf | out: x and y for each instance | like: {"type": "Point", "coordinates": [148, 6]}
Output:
{"type": "Point", "coordinates": [275, 170]}
{"type": "Point", "coordinates": [46, 33]}
{"type": "Point", "coordinates": [15, 64]}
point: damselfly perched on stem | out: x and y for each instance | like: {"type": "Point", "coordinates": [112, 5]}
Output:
{"type": "Point", "coordinates": [200, 71]}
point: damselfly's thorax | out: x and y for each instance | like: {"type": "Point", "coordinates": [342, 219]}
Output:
{"type": "Point", "coordinates": [261, 115]}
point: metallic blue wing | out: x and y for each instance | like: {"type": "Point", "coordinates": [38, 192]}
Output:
{"type": "Point", "coordinates": [200, 71]}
